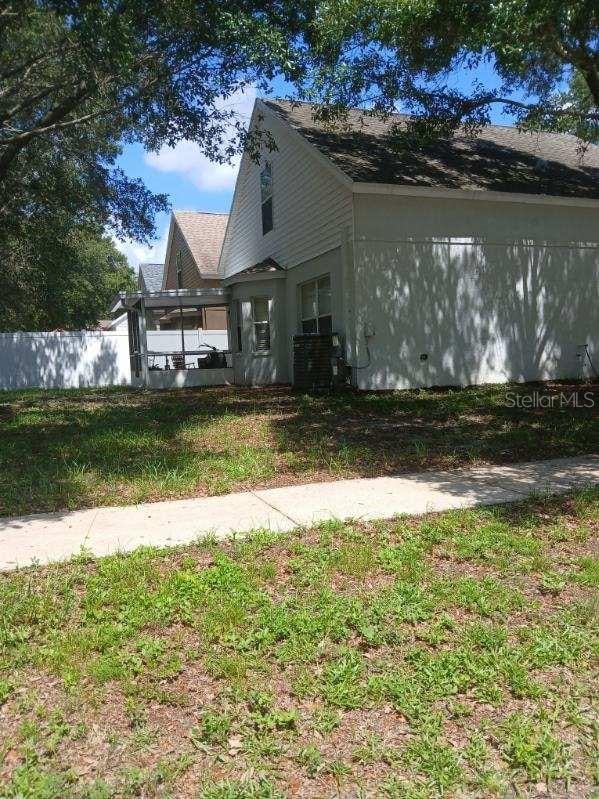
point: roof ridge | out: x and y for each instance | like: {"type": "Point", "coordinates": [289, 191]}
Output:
{"type": "Point", "coordinates": [203, 213]}
{"type": "Point", "coordinates": [404, 115]}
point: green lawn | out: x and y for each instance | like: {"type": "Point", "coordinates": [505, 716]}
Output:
{"type": "Point", "coordinates": [66, 450]}
{"type": "Point", "coordinates": [451, 655]}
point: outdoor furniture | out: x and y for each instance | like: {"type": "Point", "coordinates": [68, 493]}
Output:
{"type": "Point", "coordinates": [205, 358]}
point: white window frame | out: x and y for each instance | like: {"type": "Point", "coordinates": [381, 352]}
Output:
{"type": "Point", "coordinates": [318, 316]}
{"type": "Point", "coordinates": [264, 199]}
{"type": "Point", "coordinates": [255, 350]}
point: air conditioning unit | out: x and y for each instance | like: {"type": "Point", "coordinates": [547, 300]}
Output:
{"type": "Point", "coordinates": [318, 363]}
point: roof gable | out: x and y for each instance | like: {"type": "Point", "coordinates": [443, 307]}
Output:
{"type": "Point", "coordinates": [204, 234]}
{"type": "Point", "coordinates": [500, 158]}
{"type": "Point", "coordinates": [312, 199]}
{"type": "Point", "coordinates": [150, 276]}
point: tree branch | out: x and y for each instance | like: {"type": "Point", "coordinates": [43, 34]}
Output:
{"type": "Point", "coordinates": [25, 103]}
{"type": "Point", "coordinates": [472, 105]}
{"type": "Point", "coordinates": [54, 119]}
{"type": "Point", "coordinates": [38, 131]}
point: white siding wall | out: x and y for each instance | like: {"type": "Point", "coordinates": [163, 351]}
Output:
{"type": "Point", "coordinates": [488, 291]}
{"type": "Point", "coordinates": [311, 206]}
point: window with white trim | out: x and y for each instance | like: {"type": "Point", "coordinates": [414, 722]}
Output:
{"type": "Point", "coordinates": [266, 198]}
{"type": "Point", "coordinates": [261, 323]}
{"type": "Point", "coordinates": [315, 306]}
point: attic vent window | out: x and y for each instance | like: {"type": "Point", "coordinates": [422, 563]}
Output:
{"type": "Point", "coordinates": [266, 198]}
{"type": "Point", "coordinates": [179, 263]}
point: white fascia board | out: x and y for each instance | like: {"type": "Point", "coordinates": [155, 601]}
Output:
{"type": "Point", "coordinates": [167, 255]}
{"type": "Point", "coordinates": [395, 190]}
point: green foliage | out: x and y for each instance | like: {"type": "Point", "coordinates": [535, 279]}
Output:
{"type": "Point", "coordinates": [529, 744]}
{"type": "Point", "coordinates": [29, 781]}
{"type": "Point", "coordinates": [242, 789]}
{"type": "Point", "coordinates": [379, 53]}
{"type": "Point", "coordinates": [435, 760]}
{"type": "Point", "coordinates": [310, 758]}
{"type": "Point", "coordinates": [214, 728]}
{"type": "Point", "coordinates": [79, 80]}
{"type": "Point", "coordinates": [59, 276]}
{"type": "Point", "coordinates": [89, 447]}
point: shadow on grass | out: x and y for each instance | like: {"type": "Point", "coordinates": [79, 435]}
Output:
{"type": "Point", "coordinates": [396, 432]}
{"type": "Point", "coordinates": [66, 450]}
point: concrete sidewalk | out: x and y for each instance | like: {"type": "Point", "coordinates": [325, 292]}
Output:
{"type": "Point", "coordinates": [42, 538]}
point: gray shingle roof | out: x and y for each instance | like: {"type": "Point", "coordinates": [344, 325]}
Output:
{"type": "Point", "coordinates": [204, 233]}
{"type": "Point", "coordinates": [151, 275]}
{"type": "Point", "coordinates": [499, 158]}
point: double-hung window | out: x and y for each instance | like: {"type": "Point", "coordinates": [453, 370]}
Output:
{"type": "Point", "coordinates": [261, 323]}
{"type": "Point", "coordinates": [266, 198]}
{"type": "Point", "coordinates": [315, 302]}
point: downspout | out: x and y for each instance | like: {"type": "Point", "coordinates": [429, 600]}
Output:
{"type": "Point", "coordinates": [182, 332]}
{"type": "Point", "coordinates": [143, 343]}
{"type": "Point", "coordinates": [351, 321]}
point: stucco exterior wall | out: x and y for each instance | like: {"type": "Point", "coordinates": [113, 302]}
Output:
{"type": "Point", "coordinates": [328, 263]}
{"type": "Point", "coordinates": [214, 318]}
{"type": "Point", "coordinates": [256, 368]}
{"type": "Point", "coordinates": [487, 291]}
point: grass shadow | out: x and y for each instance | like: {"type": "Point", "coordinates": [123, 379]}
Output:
{"type": "Point", "coordinates": [71, 449]}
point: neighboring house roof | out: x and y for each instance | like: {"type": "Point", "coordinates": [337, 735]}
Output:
{"type": "Point", "coordinates": [499, 158]}
{"type": "Point", "coordinates": [204, 234]}
{"type": "Point", "coordinates": [112, 324]}
{"type": "Point", "coordinates": [150, 276]}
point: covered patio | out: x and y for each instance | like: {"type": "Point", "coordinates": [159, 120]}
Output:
{"type": "Point", "coordinates": [167, 349]}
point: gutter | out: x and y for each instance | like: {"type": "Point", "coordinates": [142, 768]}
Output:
{"type": "Point", "coordinates": [397, 190]}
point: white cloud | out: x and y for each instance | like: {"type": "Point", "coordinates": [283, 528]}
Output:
{"type": "Point", "coordinates": [137, 253]}
{"type": "Point", "coordinates": [187, 159]}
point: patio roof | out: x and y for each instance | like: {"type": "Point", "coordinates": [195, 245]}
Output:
{"type": "Point", "coordinates": [173, 298]}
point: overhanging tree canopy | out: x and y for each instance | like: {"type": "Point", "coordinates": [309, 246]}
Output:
{"type": "Point", "coordinates": [78, 79]}
{"type": "Point", "coordinates": [378, 53]}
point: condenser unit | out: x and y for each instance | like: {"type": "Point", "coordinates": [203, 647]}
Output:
{"type": "Point", "coordinates": [318, 364]}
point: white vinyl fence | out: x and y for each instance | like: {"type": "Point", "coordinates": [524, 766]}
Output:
{"type": "Point", "coordinates": [64, 360]}
{"type": "Point", "coordinates": [85, 359]}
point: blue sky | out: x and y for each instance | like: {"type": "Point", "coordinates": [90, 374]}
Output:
{"type": "Point", "coordinates": [194, 183]}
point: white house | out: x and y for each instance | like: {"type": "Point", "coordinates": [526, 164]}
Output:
{"type": "Point", "coordinates": [475, 260]}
